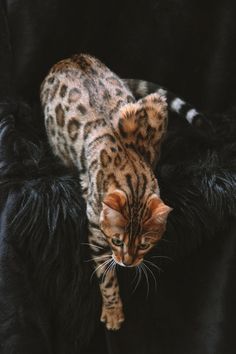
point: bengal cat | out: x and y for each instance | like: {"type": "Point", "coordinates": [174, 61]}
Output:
{"type": "Point", "coordinates": [94, 123]}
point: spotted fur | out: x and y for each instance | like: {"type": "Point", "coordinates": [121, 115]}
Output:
{"type": "Point", "coordinates": [94, 123]}
{"type": "Point", "coordinates": [141, 88]}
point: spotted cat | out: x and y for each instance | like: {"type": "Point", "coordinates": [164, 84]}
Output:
{"type": "Point", "coordinates": [94, 123]}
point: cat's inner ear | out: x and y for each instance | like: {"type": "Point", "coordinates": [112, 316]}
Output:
{"type": "Point", "coordinates": [115, 200]}
{"type": "Point", "coordinates": [113, 215]}
{"type": "Point", "coordinates": [158, 212]}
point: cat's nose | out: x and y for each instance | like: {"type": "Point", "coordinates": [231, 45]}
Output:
{"type": "Point", "coordinates": [128, 260]}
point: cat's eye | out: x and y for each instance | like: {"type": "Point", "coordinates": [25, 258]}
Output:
{"type": "Point", "coordinates": [144, 245]}
{"type": "Point", "coordinates": [117, 242]}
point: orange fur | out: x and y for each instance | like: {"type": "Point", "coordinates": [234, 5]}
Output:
{"type": "Point", "coordinates": [159, 212]}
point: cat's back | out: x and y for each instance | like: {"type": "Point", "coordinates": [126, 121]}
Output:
{"type": "Point", "coordinates": [85, 78]}
{"type": "Point", "coordinates": [78, 97]}
{"type": "Point", "coordinates": [68, 82]}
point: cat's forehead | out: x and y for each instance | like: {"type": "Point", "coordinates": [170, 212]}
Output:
{"type": "Point", "coordinates": [134, 226]}
{"type": "Point", "coordinates": [137, 209]}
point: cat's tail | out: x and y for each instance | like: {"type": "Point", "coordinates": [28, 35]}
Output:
{"type": "Point", "coordinates": [141, 88]}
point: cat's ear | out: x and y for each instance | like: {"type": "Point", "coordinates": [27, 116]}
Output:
{"type": "Point", "coordinates": [115, 200]}
{"type": "Point", "coordinates": [113, 211]}
{"type": "Point", "coordinates": [158, 211]}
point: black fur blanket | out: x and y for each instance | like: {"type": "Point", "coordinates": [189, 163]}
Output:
{"type": "Point", "coordinates": [48, 303]}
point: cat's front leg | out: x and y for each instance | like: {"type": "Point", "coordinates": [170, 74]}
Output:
{"type": "Point", "coordinates": [112, 309]}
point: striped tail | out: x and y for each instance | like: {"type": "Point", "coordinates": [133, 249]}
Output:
{"type": "Point", "coordinates": [176, 104]}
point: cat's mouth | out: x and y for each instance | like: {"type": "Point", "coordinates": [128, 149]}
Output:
{"type": "Point", "coordinates": [132, 265]}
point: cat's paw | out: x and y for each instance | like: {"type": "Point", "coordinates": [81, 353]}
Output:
{"type": "Point", "coordinates": [112, 317]}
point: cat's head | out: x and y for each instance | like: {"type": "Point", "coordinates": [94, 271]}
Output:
{"type": "Point", "coordinates": [130, 232]}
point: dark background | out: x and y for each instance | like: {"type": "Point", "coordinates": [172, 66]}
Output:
{"type": "Point", "coordinates": [188, 46]}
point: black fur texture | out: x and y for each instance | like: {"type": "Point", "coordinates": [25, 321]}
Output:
{"type": "Point", "coordinates": [48, 303]}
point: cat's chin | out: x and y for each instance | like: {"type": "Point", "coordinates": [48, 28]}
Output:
{"type": "Point", "coordinates": [135, 264]}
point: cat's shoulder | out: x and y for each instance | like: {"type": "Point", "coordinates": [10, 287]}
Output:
{"type": "Point", "coordinates": [81, 63]}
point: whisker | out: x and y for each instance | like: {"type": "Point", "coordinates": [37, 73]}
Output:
{"type": "Point", "coordinates": [106, 270]}
{"type": "Point", "coordinates": [139, 278]}
{"type": "Point", "coordinates": [146, 276]}
{"type": "Point", "coordinates": [99, 266]}
{"type": "Point", "coordinates": [97, 258]}
{"type": "Point", "coordinates": [154, 265]}
{"type": "Point", "coordinates": [110, 268]}
{"type": "Point", "coordinates": [113, 266]}
{"type": "Point", "coordinates": [154, 278]}
{"type": "Point", "coordinates": [92, 245]}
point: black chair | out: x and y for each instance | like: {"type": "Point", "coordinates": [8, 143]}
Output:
{"type": "Point", "coordinates": [47, 303]}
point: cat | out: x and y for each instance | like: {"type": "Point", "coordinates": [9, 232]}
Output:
{"type": "Point", "coordinates": [93, 123]}
{"type": "Point", "coordinates": [141, 88]}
